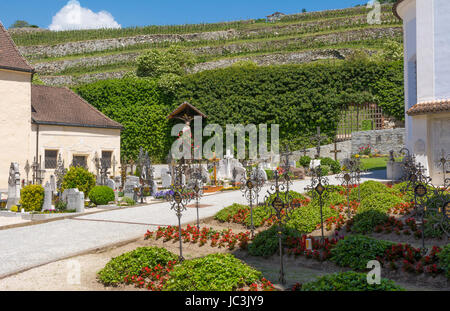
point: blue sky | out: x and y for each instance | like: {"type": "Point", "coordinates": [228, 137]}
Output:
{"type": "Point", "coordinates": [164, 12]}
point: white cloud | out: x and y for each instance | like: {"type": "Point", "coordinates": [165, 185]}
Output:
{"type": "Point", "coordinates": [72, 16]}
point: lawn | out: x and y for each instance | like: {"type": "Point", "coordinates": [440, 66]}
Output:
{"type": "Point", "coordinates": [372, 164]}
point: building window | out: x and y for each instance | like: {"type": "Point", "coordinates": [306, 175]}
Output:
{"type": "Point", "coordinates": [51, 157]}
{"type": "Point", "coordinates": [79, 161]}
{"type": "Point", "coordinates": [106, 156]}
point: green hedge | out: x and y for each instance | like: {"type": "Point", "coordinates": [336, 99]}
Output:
{"type": "Point", "coordinates": [356, 251]}
{"type": "Point", "coordinates": [349, 281]}
{"type": "Point", "coordinates": [444, 259]}
{"type": "Point", "coordinates": [216, 272]}
{"type": "Point", "coordinates": [140, 107]}
{"type": "Point", "coordinates": [32, 198]}
{"type": "Point", "coordinates": [266, 242]}
{"type": "Point", "coordinates": [381, 202]}
{"type": "Point", "coordinates": [101, 195]}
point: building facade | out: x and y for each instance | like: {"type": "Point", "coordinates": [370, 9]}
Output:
{"type": "Point", "coordinates": [427, 80]}
{"type": "Point", "coordinates": [42, 122]}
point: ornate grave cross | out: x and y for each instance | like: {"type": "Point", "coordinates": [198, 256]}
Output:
{"type": "Point", "coordinates": [318, 138]}
{"type": "Point", "coordinates": [60, 172]}
{"type": "Point", "coordinates": [250, 188]}
{"type": "Point", "coordinates": [104, 169]}
{"type": "Point", "coordinates": [335, 151]}
{"type": "Point", "coordinates": [286, 166]}
{"type": "Point", "coordinates": [198, 189]}
{"type": "Point", "coordinates": [347, 178]}
{"type": "Point", "coordinates": [304, 150]}
{"type": "Point", "coordinates": [443, 162]}
{"type": "Point", "coordinates": [96, 161]}
{"type": "Point", "coordinates": [38, 173]}
{"type": "Point", "coordinates": [214, 161]}
{"type": "Point", "coordinates": [114, 163]}
{"type": "Point", "coordinates": [279, 202]}
{"type": "Point", "coordinates": [27, 171]}
{"type": "Point", "coordinates": [318, 186]}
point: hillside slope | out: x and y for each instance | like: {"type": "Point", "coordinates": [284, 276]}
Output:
{"type": "Point", "coordinates": [76, 57]}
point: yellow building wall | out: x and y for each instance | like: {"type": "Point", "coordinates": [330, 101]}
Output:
{"type": "Point", "coordinates": [70, 141]}
{"type": "Point", "coordinates": [15, 122]}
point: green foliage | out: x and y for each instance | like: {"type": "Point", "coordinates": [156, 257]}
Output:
{"type": "Point", "coordinates": [305, 219]}
{"type": "Point", "coordinates": [349, 281]}
{"type": "Point", "coordinates": [215, 272]}
{"type": "Point", "coordinates": [266, 242]}
{"type": "Point", "coordinates": [156, 63]}
{"type": "Point", "coordinates": [129, 201]}
{"type": "Point", "coordinates": [140, 107]}
{"type": "Point", "coordinates": [270, 174]}
{"type": "Point", "coordinates": [32, 198]}
{"type": "Point", "coordinates": [14, 209]}
{"type": "Point", "coordinates": [21, 24]}
{"type": "Point", "coordinates": [225, 214]}
{"type": "Point", "coordinates": [80, 178]}
{"type": "Point", "coordinates": [298, 97]}
{"type": "Point", "coordinates": [325, 170]}
{"type": "Point", "coordinates": [365, 221]}
{"type": "Point", "coordinates": [101, 195]}
{"type": "Point", "coordinates": [304, 161]}
{"type": "Point", "coordinates": [335, 166]}
{"type": "Point", "coordinates": [356, 251]}
{"type": "Point", "coordinates": [131, 263]}
{"type": "Point", "coordinates": [370, 187]}
{"type": "Point", "coordinates": [444, 260]}
{"type": "Point", "coordinates": [381, 202]}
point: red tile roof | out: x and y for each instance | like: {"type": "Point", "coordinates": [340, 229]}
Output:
{"type": "Point", "coordinates": [435, 106]}
{"type": "Point", "coordinates": [10, 57]}
{"type": "Point", "coordinates": [61, 106]}
{"type": "Point", "coordinates": [185, 108]}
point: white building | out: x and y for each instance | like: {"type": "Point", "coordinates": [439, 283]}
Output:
{"type": "Point", "coordinates": [427, 80]}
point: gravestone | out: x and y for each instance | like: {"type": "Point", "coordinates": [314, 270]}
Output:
{"type": "Point", "coordinates": [128, 189]}
{"type": "Point", "coordinates": [13, 186]}
{"type": "Point", "coordinates": [111, 184]}
{"type": "Point", "coordinates": [48, 194]}
{"type": "Point", "coordinates": [166, 178]}
{"type": "Point", "coordinates": [260, 174]}
{"type": "Point", "coordinates": [74, 199]}
{"type": "Point", "coordinates": [241, 174]}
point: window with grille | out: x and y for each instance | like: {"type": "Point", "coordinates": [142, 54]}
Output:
{"type": "Point", "coordinates": [51, 157]}
{"type": "Point", "coordinates": [79, 161]}
{"type": "Point", "coordinates": [106, 156]}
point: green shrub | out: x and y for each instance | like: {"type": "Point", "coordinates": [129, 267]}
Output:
{"type": "Point", "coordinates": [325, 169]}
{"type": "Point", "coordinates": [80, 178]}
{"type": "Point", "coordinates": [131, 263]}
{"type": "Point", "coordinates": [266, 242]}
{"type": "Point", "coordinates": [381, 202]}
{"type": "Point", "coordinates": [129, 201]}
{"type": "Point", "coordinates": [370, 187]}
{"type": "Point", "coordinates": [270, 174]}
{"type": "Point", "coordinates": [215, 272]}
{"type": "Point", "coordinates": [101, 195]}
{"type": "Point", "coordinates": [225, 214]}
{"type": "Point", "coordinates": [365, 221]}
{"type": "Point", "coordinates": [32, 198]}
{"type": "Point", "coordinates": [444, 260]}
{"type": "Point", "coordinates": [356, 251]}
{"type": "Point", "coordinates": [305, 219]}
{"type": "Point", "coordinates": [334, 166]}
{"type": "Point", "coordinates": [14, 209]}
{"type": "Point", "coordinates": [304, 161]}
{"type": "Point", "coordinates": [349, 281]}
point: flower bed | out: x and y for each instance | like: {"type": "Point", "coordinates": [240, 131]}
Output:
{"type": "Point", "coordinates": [193, 235]}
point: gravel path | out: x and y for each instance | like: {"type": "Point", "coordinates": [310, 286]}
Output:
{"type": "Point", "coordinates": [27, 247]}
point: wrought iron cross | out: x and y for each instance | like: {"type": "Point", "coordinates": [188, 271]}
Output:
{"type": "Point", "coordinates": [335, 151]}
{"type": "Point", "coordinates": [318, 138]}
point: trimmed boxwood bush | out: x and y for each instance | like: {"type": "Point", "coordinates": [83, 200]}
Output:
{"type": "Point", "coordinates": [131, 263]}
{"type": "Point", "coordinates": [80, 178]}
{"type": "Point", "coordinates": [304, 161]}
{"type": "Point", "coordinates": [32, 198]}
{"type": "Point", "coordinates": [215, 272]}
{"type": "Point", "coordinates": [356, 251]}
{"type": "Point", "coordinates": [305, 219]}
{"type": "Point", "coordinates": [444, 259]}
{"type": "Point", "coordinates": [101, 195]}
{"type": "Point", "coordinates": [349, 281]}
{"type": "Point", "coordinates": [266, 242]}
{"type": "Point", "coordinates": [365, 221]}
{"type": "Point", "coordinates": [381, 202]}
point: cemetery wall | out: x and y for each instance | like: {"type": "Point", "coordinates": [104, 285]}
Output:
{"type": "Point", "coordinates": [15, 122]}
{"type": "Point", "coordinates": [381, 140]}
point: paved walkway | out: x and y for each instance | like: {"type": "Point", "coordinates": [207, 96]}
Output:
{"type": "Point", "coordinates": [31, 246]}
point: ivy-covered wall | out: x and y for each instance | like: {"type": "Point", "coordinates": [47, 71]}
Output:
{"type": "Point", "coordinates": [298, 97]}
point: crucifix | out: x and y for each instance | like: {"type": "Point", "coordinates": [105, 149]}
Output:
{"type": "Point", "coordinates": [304, 150]}
{"type": "Point", "coordinates": [335, 151]}
{"type": "Point", "coordinates": [318, 138]}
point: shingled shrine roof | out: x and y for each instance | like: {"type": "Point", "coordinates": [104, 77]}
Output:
{"type": "Point", "coordinates": [10, 57]}
{"type": "Point", "coordinates": [186, 112]}
{"type": "Point", "coordinates": [435, 106]}
{"type": "Point", "coordinates": [61, 106]}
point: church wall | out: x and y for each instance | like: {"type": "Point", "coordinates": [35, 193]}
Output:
{"type": "Point", "coordinates": [15, 122]}
{"type": "Point", "coordinates": [442, 48]}
{"type": "Point", "coordinates": [425, 50]}
{"type": "Point", "coordinates": [80, 141]}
